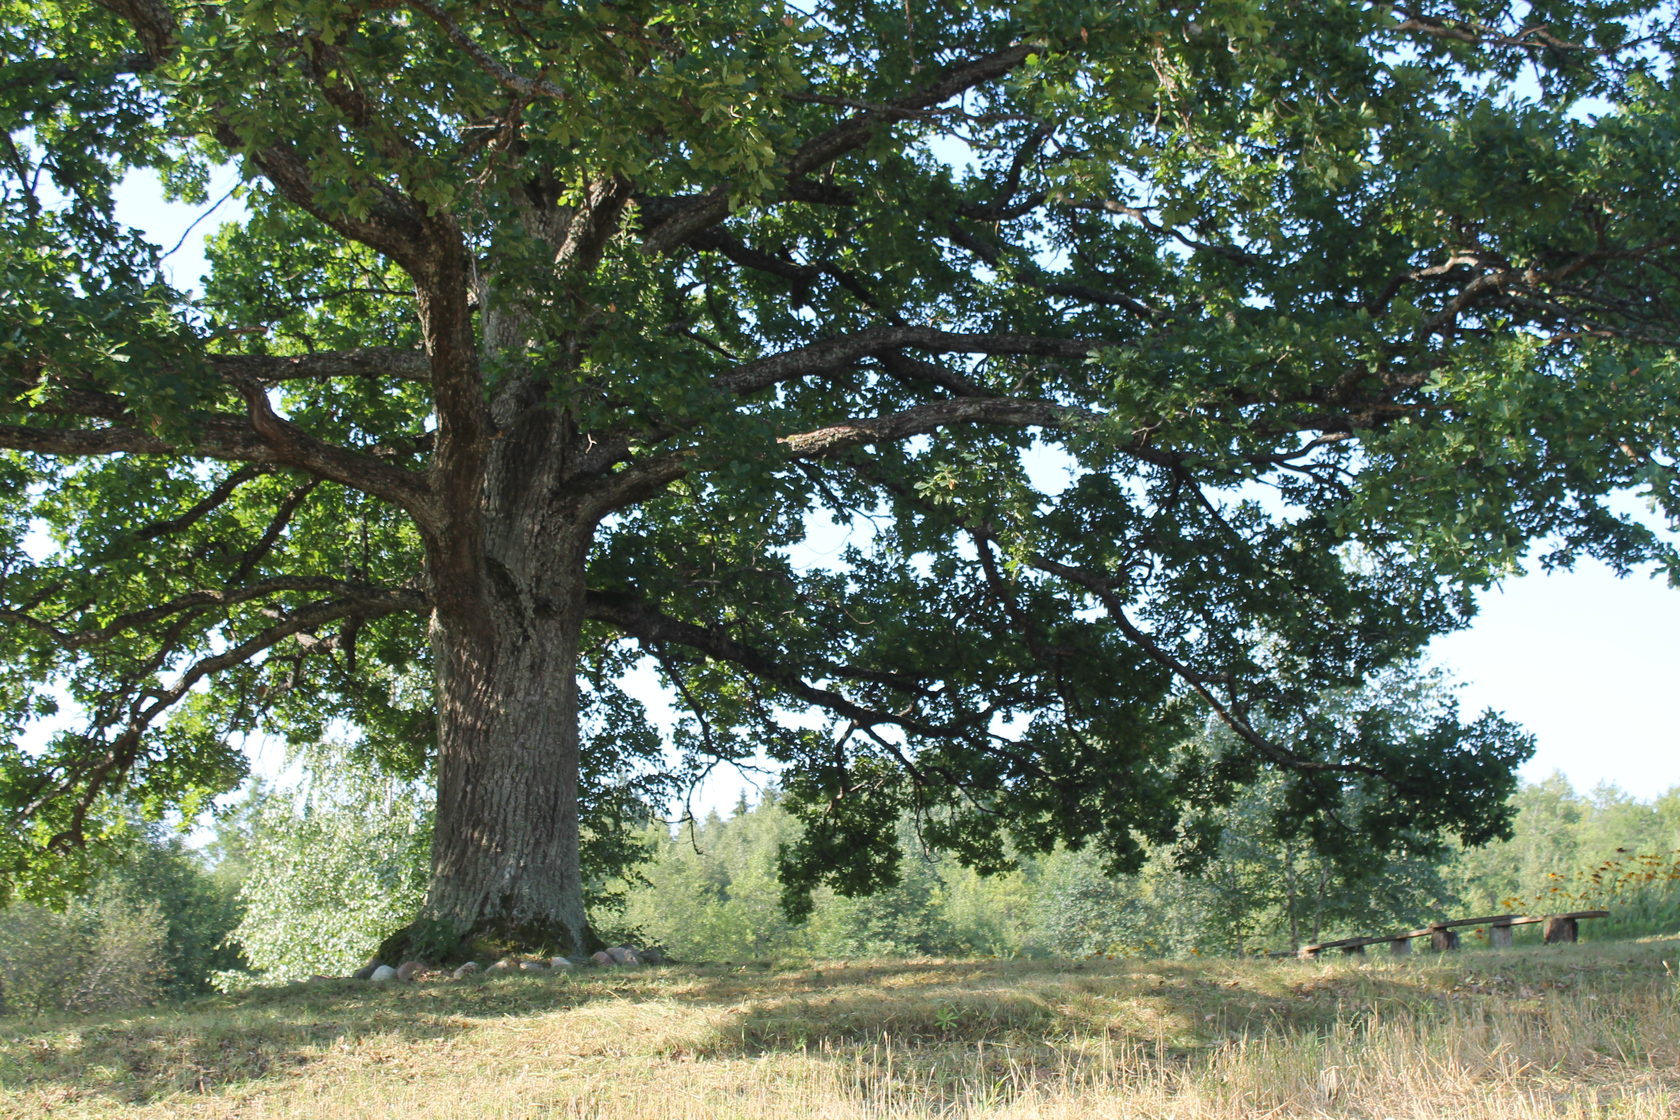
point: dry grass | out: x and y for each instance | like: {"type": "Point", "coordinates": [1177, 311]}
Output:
{"type": "Point", "coordinates": [1581, 1031]}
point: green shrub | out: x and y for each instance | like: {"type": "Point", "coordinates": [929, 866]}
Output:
{"type": "Point", "coordinates": [101, 954]}
{"type": "Point", "coordinates": [332, 873]}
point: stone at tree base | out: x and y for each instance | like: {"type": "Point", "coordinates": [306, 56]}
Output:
{"type": "Point", "coordinates": [1561, 931]}
{"type": "Point", "coordinates": [384, 974]}
{"type": "Point", "coordinates": [408, 970]}
{"type": "Point", "coordinates": [560, 963]}
{"type": "Point", "coordinates": [532, 966]}
{"type": "Point", "coordinates": [653, 954]}
{"type": "Point", "coordinates": [465, 970]}
{"type": "Point", "coordinates": [623, 954]}
{"type": "Point", "coordinates": [602, 958]}
{"type": "Point", "coordinates": [506, 964]}
{"type": "Point", "coordinates": [367, 970]}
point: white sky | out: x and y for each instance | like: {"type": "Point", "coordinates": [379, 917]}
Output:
{"type": "Point", "coordinates": [1587, 662]}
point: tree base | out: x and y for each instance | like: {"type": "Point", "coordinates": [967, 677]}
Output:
{"type": "Point", "coordinates": [449, 943]}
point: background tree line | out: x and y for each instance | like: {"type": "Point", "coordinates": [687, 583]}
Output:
{"type": "Point", "coordinates": [300, 881]}
{"type": "Point", "coordinates": [710, 890]}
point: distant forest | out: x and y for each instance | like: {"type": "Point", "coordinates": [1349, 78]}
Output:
{"type": "Point", "coordinates": [293, 886]}
{"type": "Point", "coordinates": [711, 892]}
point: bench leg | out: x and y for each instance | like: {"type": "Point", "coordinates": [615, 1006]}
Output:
{"type": "Point", "coordinates": [1561, 930]}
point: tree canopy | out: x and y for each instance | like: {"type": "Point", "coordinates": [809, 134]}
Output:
{"type": "Point", "coordinates": [1154, 359]}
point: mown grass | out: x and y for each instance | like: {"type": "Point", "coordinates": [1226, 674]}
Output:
{"type": "Point", "coordinates": [1585, 1031]}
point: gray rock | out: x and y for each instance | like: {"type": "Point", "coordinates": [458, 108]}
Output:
{"type": "Point", "coordinates": [653, 954]}
{"type": "Point", "coordinates": [622, 954]}
{"type": "Point", "coordinates": [408, 970]}
{"type": "Point", "coordinates": [465, 970]}
{"type": "Point", "coordinates": [602, 958]}
{"type": "Point", "coordinates": [384, 974]}
{"type": "Point", "coordinates": [532, 966]}
{"type": "Point", "coordinates": [560, 963]}
{"type": "Point", "coordinates": [506, 964]}
{"type": "Point", "coordinates": [366, 971]}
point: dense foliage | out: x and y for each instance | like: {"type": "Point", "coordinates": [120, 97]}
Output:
{"type": "Point", "coordinates": [329, 871]}
{"type": "Point", "coordinates": [156, 924]}
{"type": "Point", "coordinates": [710, 892]}
{"type": "Point", "coordinates": [93, 956]}
{"type": "Point", "coordinates": [323, 876]}
{"type": "Point", "coordinates": [1151, 360]}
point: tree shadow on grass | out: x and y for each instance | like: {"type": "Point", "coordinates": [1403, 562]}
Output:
{"type": "Point", "coordinates": [215, 1043]}
{"type": "Point", "coordinates": [211, 1044]}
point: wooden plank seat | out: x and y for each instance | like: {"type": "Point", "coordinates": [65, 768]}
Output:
{"type": "Point", "coordinates": [1442, 935]}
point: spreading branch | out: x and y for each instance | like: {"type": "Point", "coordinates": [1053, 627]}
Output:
{"type": "Point", "coordinates": [199, 601]}
{"type": "Point", "coordinates": [688, 218]}
{"type": "Point", "coordinates": [295, 447]}
{"type": "Point", "coordinates": [833, 354]}
{"type": "Point", "coordinates": [652, 628]}
{"type": "Point", "coordinates": [370, 363]}
{"type": "Point", "coordinates": [920, 419]}
{"type": "Point", "coordinates": [89, 781]}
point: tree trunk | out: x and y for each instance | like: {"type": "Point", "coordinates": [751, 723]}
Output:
{"type": "Point", "coordinates": [505, 633]}
{"type": "Point", "coordinates": [505, 847]}
{"type": "Point", "coordinates": [1289, 896]}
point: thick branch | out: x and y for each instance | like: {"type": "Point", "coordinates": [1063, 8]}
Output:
{"type": "Point", "coordinates": [295, 447]}
{"type": "Point", "coordinates": [259, 437]}
{"type": "Point", "coordinates": [220, 438]}
{"type": "Point", "coordinates": [394, 225]}
{"type": "Point", "coordinates": [152, 21]}
{"type": "Point", "coordinates": [126, 749]}
{"type": "Point", "coordinates": [923, 418]}
{"type": "Point", "coordinates": [370, 362]}
{"type": "Point", "coordinates": [653, 628]}
{"type": "Point", "coordinates": [427, 244]}
{"type": "Point", "coordinates": [648, 476]}
{"type": "Point", "coordinates": [1534, 38]}
{"type": "Point", "coordinates": [833, 354]}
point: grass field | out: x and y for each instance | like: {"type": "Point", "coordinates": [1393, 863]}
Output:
{"type": "Point", "coordinates": [1572, 1031]}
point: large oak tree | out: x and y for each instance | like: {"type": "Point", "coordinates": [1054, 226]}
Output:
{"type": "Point", "coordinates": [1149, 359]}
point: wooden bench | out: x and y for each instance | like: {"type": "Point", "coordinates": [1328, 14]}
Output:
{"type": "Point", "coordinates": [1559, 928]}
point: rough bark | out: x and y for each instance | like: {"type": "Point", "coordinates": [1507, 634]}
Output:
{"type": "Point", "coordinates": [505, 853]}
{"type": "Point", "coordinates": [508, 612]}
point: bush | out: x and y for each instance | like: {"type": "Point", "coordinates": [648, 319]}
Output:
{"type": "Point", "coordinates": [331, 874]}
{"type": "Point", "coordinates": [199, 908]}
{"type": "Point", "coordinates": [101, 954]}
